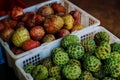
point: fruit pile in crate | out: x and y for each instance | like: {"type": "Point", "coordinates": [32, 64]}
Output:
{"type": "Point", "coordinates": [93, 55]}
{"type": "Point", "coordinates": [24, 30]}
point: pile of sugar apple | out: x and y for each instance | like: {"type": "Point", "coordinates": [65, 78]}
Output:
{"type": "Point", "coordinates": [75, 59]}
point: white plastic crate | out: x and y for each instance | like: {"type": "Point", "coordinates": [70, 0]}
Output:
{"type": "Point", "coordinates": [86, 19]}
{"type": "Point", "coordinates": [39, 54]}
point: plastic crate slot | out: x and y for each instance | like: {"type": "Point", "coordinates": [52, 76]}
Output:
{"type": "Point", "coordinates": [91, 21]}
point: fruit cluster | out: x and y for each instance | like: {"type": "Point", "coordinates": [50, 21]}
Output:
{"type": "Point", "coordinates": [25, 31]}
{"type": "Point", "coordinates": [88, 59]}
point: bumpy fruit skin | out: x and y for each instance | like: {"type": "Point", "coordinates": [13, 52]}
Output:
{"type": "Point", "coordinates": [91, 63]}
{"type": "Point", "coordinates": [47, 62]}
{"type": "Point", "coordinates": [112, 65]}
{"type": "Point", "coordinates": [86, 75]}
{"type": "Point", "coordinates": [103, 51]}
{"type": "Point", "coordinates": [74, 62]}
{"type": "Point", "coordinates": [40, 72]}
{"type": "Point", "coordinates": [115, 47]}
{"type": "Point", "coordinates": [89, 45]}
{"type": "Point", "coordinates": [60, 58]}
{"type": "Point", "coordinates": [100, 37]}
{"type": "Point", "coordinates": [29, 68]}
{"type": "Point", "coordinates": [68, 40]}
{"type": "Point", "coordinates": [20, 36]}
{"type": "Point", "coordinates": [30, 44]}
{"type": "Point", "coordinates": [48, 38]}
{"type": "Point", "coordinates": [75, 51]}
{"type": "Point", "coordinates": [108, 78]}
{"type": "Point", "coordinates": [53, 23]}
{"type": "Point", "coordinates": [54, 71]}
{"type": "Point", "coordinates": [71, 72]}
{"type": "Point", "coordinates": [68, 21]}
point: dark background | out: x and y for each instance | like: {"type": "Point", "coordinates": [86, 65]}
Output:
{"type": "Point", "coordinates": [107, 11]}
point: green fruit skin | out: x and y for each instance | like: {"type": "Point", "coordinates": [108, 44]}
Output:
{"type": "Point", "coordinates": [60, 58]}
{"type": "Point", "coordinates": [89, 45]}
{"type": "Point", "coordinates": [75, 51]}
{"type": "Point", "coordinates": [103, 51]}
{"type": "Point", "coordinates": [100, 37]}
{"type": "Point", "coordinates": [40, 72]}
{"type": "Point", "coordinates": [86, 75]}
{"type": "Point", "coordinates": [29, 68]}
{"type": "Point", "coordinates": [115, 47]}
{"type": "Point", "coordinates": [71, 72]}
{"type": "Point", "coordinates": [54, 71]}
{"type": "Point", "coordinates": [20, 36]}
{"type": "Point", "coordinates": [92, 63]}
{"type": "Point", "coordinates": [68, 40]}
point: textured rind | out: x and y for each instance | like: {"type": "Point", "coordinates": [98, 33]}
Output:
{"type": "Point", "coordinates": [100, 37]}
{"type": "Point", "coordinates": [89, 45]}
{"type": "Point", "coordinates": [68, 40]}
{"type": "Point", "coordinates": [75, 51]}
{"type": "Point", "coordinates": [54, 71]}
{"type": "Point", "coordinates": [29, 68]}
{"type": "Point", "coordinates": [20, 36]}
{"type": "Point", "coordinates": [115, 47]}
{"type": "Point", "coordinates": [112, 65]}
{"type": "Point", "coordinates": [71, 72]}
{"type": "Point", "coordinates": [40, 72]}
{"type": "Point", "coordinates": [86, 75]}
{"type": "Point", "coordinates": [103, 51]}
{"type": "Point", "coordinates": [60, 58]}
{"type": "Point", "coordinates": [92, 63]}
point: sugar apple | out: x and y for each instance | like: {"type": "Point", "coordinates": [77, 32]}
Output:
{"type": "Point", "coordinates": [69, 39]}
{"type": "Point", "coordinates": [101, 36]}
{"type": "Point", "coordinates": [89, 45]}
{"type": "Point", "coordinates": [74, 62]}
{"type": "Point", "coordinates": [40, 72]}
{"type": "Point", "coordinates": [103, 51]}
{"type": "Point", "coordinates": [29, 68]}
{"type": "Point", "coordinates": [47, 62]}
{"type": "Point", "coordinates": [75, 51]}
{"type": "Point", "coordinates": [54, 71]}
{"type": "Point", "coordinates": [92, 63]}
{"type": "Point", "coordinates": [113, 65]}
{"type": "Point", "coordinates": [71, 72]}
{"type": "Point", "coordinates": [86, 75]}
{"type": "Point", "coordinates": [115, 47]}
{"type": "Point", "coordinates": [60, 58]}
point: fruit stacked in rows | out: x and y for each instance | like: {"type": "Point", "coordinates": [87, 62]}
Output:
{"type": "Point", "coordinates": [25, 31]}
{"type": "Point", "coordinates": [75, 59]}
